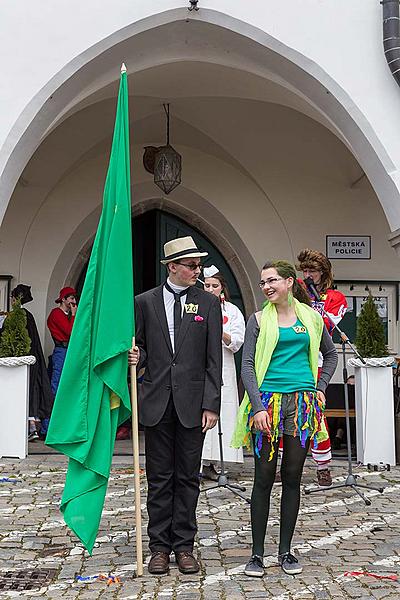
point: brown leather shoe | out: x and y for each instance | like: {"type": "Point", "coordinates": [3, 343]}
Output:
{"type": "Point", "coordinates": [159, 563]}
{"type": "Point", "coordinates": [324, 477]}
{"type": "Point", "coordinates": [186, 562]}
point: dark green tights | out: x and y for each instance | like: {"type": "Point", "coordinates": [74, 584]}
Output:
{"type": "Point", "coordinates": [264, 476]}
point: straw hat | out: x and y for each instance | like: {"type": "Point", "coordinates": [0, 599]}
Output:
{"type": "Point", "coordinates": [183, 247]}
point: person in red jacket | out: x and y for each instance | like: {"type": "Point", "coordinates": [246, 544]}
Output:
{"type": "Point", "coordinates": [318, 267]}
{"type": "Point", "coordinates": [60, 322]}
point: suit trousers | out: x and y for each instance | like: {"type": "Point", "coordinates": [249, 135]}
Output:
{"type": "Point", "coordinates": [173, 455]}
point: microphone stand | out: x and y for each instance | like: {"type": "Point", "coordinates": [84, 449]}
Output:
{"type": "Point", "coordinates": [223, 481]}
{"type": "Point", "coordinates": [351, 479]}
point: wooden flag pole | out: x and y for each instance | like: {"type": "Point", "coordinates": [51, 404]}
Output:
{"type": "Point", "coordinates": [136, 470]}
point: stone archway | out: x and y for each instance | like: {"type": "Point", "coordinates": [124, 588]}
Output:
{"type": "Point", "coordinates": [200, 214]}
{"type": "Point", "coordinates": [197, 212]}
{"type": "Point", "coordinates": [253, 51]}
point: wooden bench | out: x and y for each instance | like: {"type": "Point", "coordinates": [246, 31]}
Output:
{"type": "Point", "coordinates": [339, 412]}
{"type": "Point", "coordinates": [335, 400]}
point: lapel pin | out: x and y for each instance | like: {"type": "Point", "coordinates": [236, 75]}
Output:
{"type": "Point", "coordinates": [191, 308]}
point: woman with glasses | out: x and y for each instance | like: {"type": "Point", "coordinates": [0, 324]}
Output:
{"type": "Point", "coordinates": [232, 340]}
{"type": "Point", "coordinates": [284, 397]}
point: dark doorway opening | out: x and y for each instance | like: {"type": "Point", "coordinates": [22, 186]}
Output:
{"type": "Point", "coordinates": [150, 231]}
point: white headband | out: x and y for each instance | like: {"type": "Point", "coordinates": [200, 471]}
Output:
{"type": "Point", "coordinates": [210, 271]}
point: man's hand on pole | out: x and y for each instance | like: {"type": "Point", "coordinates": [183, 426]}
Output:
{"type": "Point", "coordinates": [133, 356]}
{"type": "Point", "coordinates": [209, 420]}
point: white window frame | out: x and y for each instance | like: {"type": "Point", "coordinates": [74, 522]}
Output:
{"type": "Point", "coordinates": [5, 289]}
{"type": "Point", "coordinates": [389, 290]}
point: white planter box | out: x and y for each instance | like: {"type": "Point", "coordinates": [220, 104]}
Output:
{"type": "Point", "coordinates": [14, 399]}
{"type": "Point", "coordinates": [374, 414]}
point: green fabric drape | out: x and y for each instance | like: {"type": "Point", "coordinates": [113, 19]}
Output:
{"type": "Point", "coordinates": [93, 396]}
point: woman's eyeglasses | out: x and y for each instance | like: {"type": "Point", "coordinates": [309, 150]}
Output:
{"type": "Point", "coordinates": [270, 281]}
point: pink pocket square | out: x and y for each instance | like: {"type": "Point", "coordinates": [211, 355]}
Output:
{"type": "Point", "coordinates": [198, 318]}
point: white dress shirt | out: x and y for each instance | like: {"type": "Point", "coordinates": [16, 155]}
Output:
{"type": "Point", "coordinates": [169, 301]}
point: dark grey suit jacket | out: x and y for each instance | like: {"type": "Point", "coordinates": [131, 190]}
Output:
{"type": "Point", "coordinates": [193, 374]}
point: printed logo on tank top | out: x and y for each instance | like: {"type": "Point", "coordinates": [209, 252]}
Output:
{"type": "Point", "coordinates": [299, 329]}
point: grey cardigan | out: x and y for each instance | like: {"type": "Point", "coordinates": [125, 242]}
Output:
{"type": "Point", "coordinates": [327, 347]}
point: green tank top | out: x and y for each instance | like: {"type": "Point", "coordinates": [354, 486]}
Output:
{"type": "Point", "coordinates": [289, 370]}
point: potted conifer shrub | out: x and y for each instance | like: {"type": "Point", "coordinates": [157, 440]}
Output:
{"type": "Point", "coordinates": [15, 362]}
{"type": "Point", "coordinates": [374, 390]}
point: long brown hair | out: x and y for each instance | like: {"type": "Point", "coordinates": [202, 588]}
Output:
{"type": "Point", "coordinates": [285, 270]}
{"type": "Point", "coordinates": [225, 289]}
{"type": "Point", "coordinates": [313, 259]}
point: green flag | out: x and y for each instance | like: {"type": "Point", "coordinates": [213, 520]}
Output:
{"type": "Point", "coordinates": [93, 396]}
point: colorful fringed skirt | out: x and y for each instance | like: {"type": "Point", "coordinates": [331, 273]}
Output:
{"type": "Point", "coordinates": [307, 420]}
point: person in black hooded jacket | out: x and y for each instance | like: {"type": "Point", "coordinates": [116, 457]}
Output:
{"type": "Point", "coordinates": [40, 394]}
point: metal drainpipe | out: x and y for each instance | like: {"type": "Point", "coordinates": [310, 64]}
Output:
{"type": "Point", "coordinates": [391, 35]}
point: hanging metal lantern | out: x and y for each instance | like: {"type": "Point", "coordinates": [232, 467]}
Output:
{"type": "Point", "coordinates": [167, 164]}
{"type": "Point", "coordinates": [167, 169]}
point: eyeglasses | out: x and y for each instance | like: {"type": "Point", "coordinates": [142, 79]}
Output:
{"type": "Point", "coordinates": [270, 281]}
{"type": "Point", "coordinates": [191, 266]}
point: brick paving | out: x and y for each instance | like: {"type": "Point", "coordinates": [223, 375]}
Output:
{"type": "Point", "coordinates": [336, 532]}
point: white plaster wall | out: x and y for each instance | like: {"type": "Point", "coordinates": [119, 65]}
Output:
{"type": "Point", "coordinates": [37, 40]}
{"type": "Point", "coordinates": [340, 42]}
{"type": "Point", "coordinates": [78, 195]}
{"type": "Point", "coordinates": [285, 184]}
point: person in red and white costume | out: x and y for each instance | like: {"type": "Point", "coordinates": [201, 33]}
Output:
{"type": "Point", "coordinates": [318, 267]}
{"type": "Point", "coordinates": [232, 340]}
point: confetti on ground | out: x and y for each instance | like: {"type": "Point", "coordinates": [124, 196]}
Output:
{"type": "Point", "coordinates": [367, 574]}
{"type": "Point", "coordinates": [109, 579]}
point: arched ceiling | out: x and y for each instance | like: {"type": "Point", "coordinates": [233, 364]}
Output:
{"type": "Point", "coordinates": [188, 80]}
{"type": "Point", "coordinates": [239, 131]}
{"type": "Point", "coordinates": [216, 109]}
{"type": "Point", "coordinates": [193, 64]}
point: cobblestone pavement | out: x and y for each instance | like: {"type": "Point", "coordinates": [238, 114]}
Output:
{"type": "Point", "coordinates": [336, 532]}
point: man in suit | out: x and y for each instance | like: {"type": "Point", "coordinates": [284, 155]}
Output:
{"type": "Point", "coordinates": [178, 342]}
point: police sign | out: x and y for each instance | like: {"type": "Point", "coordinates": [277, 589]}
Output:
{"type": "Point", "coordinates": [348, 246]}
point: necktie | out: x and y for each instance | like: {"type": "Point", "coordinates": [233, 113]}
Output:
{"type": "Point", "coordinates": [177, 309]}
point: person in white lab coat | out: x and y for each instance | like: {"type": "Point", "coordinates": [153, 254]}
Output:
{"type": "Point", "coordinates": [232, 341]}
